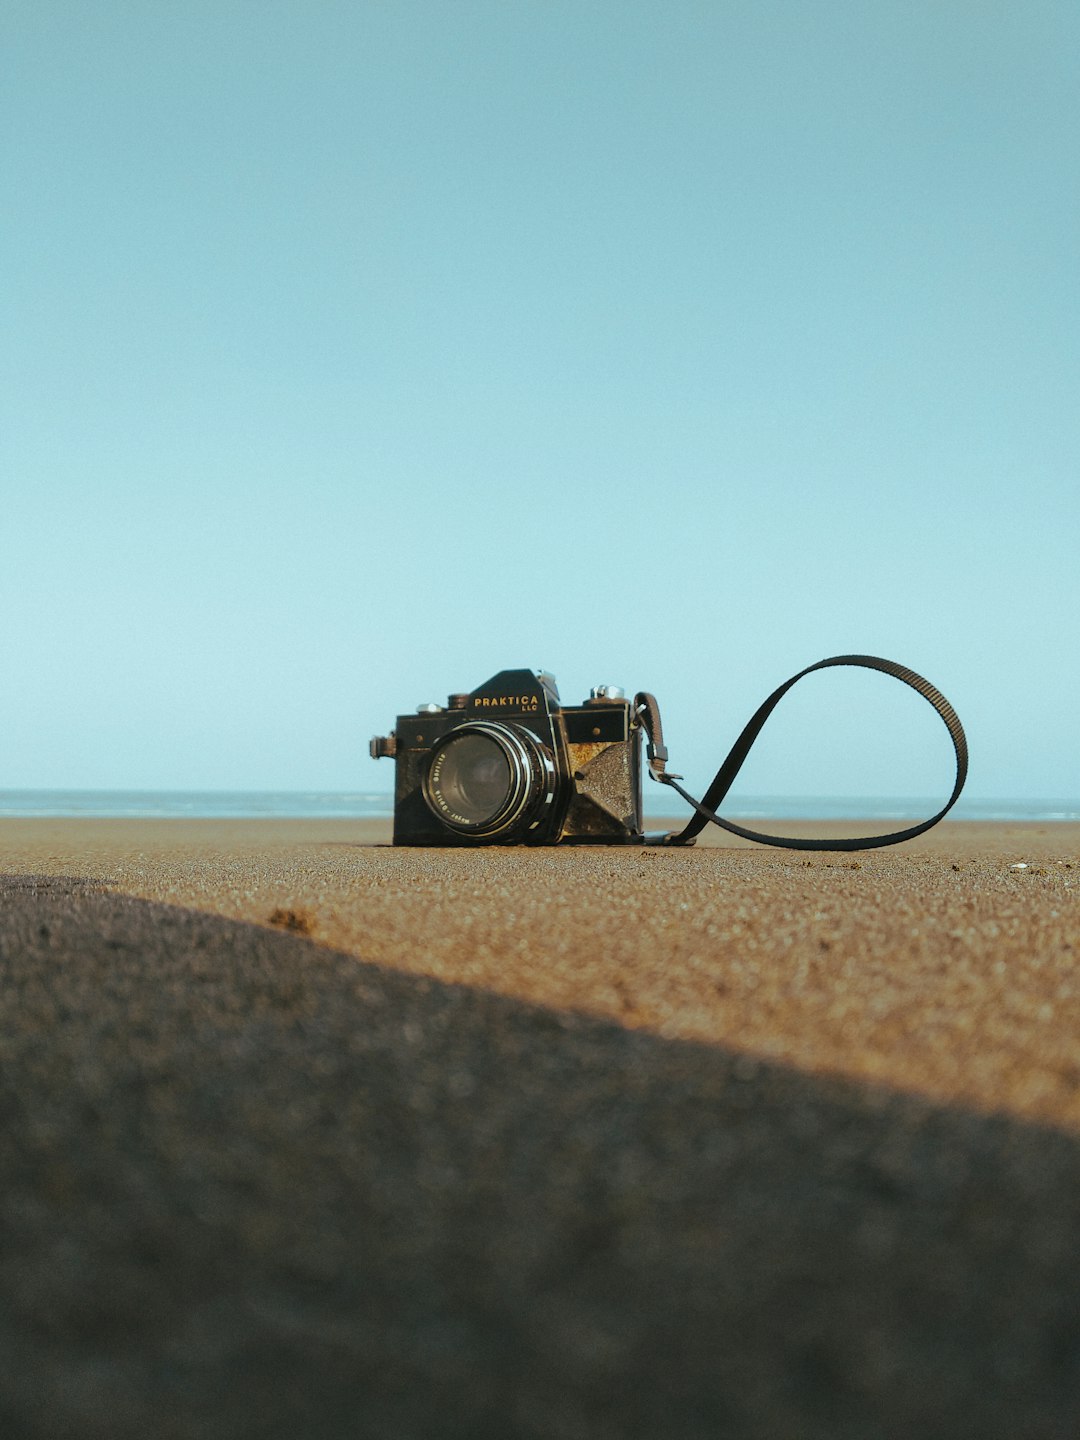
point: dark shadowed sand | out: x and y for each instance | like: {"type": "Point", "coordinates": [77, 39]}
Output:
{"type": "Point", "coordinates": [304, 1136]}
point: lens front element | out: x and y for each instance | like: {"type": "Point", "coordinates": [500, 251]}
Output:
{"type": "Point", "coordinates": [471, 776]}
{"type": "Point", "coordinates": [485, 778]}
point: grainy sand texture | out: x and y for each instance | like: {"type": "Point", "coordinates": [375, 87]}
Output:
{"type": "Point", "coordinates": [305, 1136]}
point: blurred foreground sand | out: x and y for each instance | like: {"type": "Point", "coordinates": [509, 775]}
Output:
{"type": "Point", "coordinates": [305, 1135]}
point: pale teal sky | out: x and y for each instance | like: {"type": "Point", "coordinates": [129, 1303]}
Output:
{"type": "Point", "coordinates": [351, 352]}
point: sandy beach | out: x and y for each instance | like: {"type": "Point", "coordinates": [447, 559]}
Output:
{"type": "Point", "coordinates": [304, 1135]}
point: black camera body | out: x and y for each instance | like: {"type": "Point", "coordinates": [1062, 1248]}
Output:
{"type": "Point", "coordinates": [508, 764]}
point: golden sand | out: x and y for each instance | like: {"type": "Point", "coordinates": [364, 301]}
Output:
{"type": "Point", "coordinates": [308, 1135]}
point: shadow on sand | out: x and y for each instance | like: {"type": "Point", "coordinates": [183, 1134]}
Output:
{"type": "Point", "coordinates": [253, 1187]}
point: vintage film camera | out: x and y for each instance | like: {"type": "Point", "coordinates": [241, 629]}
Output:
{"type": "Point", "coordinates": [510, 764]}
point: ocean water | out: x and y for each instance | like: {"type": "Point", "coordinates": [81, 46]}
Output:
{"type": "Point", "coordinates": [372, 805]}
{"type": "Point", "coordinates": [196, 804]}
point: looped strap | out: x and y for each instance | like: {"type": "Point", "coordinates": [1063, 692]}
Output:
{"type": "Point", "coordinates": [648, 715]}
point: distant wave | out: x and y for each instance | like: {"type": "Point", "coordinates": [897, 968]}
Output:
{"type": "Point", "coordinates": [888, 807]}
{"type": "Point", "coordinates": [370, 805]}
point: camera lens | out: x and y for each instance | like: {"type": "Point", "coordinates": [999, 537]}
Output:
{"type": "Point", "coordinates": [473, 778]}
{"type": "Point", "coordinates": [486, 778]}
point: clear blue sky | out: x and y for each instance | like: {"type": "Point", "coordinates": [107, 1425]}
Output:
{"type": "Point", "coordinates": [352, 352]}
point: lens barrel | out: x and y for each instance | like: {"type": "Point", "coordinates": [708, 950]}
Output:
{"type": "Point", "coordinates": [486, 778]}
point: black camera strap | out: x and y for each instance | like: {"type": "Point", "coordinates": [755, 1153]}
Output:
{"type": "Point", "coordinates": [648, 716]}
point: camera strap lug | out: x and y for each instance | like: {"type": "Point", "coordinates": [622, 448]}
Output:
{"type": "Point", "coordinates": [647, 714]}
